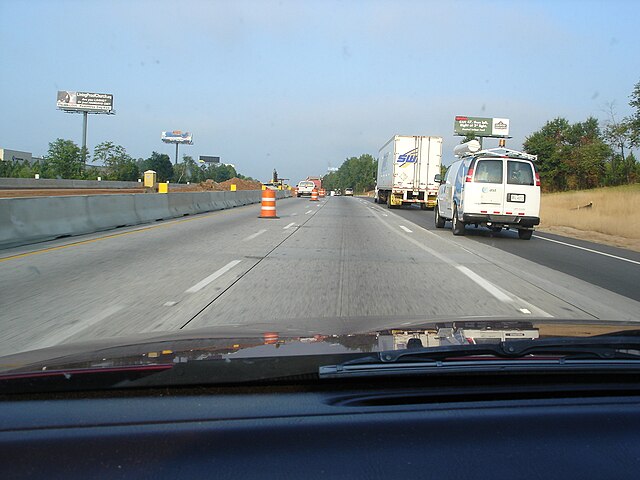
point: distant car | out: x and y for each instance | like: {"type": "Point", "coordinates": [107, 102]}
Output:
{"type": "Point", "coordinates": [348, 191]}
{"type": "Point", "coordinates": [305, 187]}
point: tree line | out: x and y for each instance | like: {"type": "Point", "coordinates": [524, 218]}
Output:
{"type": "Point", "coordinates": [358, 173]}
{"type": "Point", "coordinates": [65, 159]}
{"type": "Point", "coordinates": [582, 155]}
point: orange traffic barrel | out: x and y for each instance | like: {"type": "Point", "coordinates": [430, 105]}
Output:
{"type": "Point", "coordinates": [268, 209]}
{"type": "Point", "coordinates": [322, 193]}
{"type": "Point", "coordinates": [314, 195]}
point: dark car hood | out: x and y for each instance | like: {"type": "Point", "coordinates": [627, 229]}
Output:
{"type": "Point", "coordinates": [266, 340]}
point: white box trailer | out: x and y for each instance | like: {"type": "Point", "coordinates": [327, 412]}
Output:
{"type": "Point", "coordinates": [407, 166]}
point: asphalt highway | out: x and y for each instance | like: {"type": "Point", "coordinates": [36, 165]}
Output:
{"type": "Point", "coordinates": [340, 265]}
{"type": "Point", "coordinates": [615, 269]}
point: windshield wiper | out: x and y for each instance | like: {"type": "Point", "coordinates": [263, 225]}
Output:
{"type": "Point", "coordinates": [623, 347]}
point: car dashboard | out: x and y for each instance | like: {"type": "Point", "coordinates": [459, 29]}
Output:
{"type": "Point", "coordinates": [418, 427]}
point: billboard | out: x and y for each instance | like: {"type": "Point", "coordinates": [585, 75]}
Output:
{"type": "Point", "coordinates": [209, 159]}
{"type": "Point", "coordinates": [85, 102]}
{"type": "Point", "coordinates": [481, 127]}
{"type": "Point", "coordinates": [177, 136]}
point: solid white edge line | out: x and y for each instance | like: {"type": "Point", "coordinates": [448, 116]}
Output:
{"type": "Point", "coordinates": [488, 286]}
{"type": "Point", "coordinates": [405, 229]}
{"type": "Point", "coordinates": [588, 250]}
{"type": "Point", "coordinates": [206, 281]}
{"type": "Point", "coordinates": [289, 226]}
{"type": "Point", "coordinates": [251, 237]}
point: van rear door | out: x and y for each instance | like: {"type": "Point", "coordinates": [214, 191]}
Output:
{"type": "Point", "coordinates": [486, 193]}
{"type": "Point", "coordinates": [521, 194]}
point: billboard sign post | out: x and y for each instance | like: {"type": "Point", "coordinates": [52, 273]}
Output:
{"type": "Point", "coordinates": [177, 137]}
{"type": "Point", "coordinates": [85, 103]}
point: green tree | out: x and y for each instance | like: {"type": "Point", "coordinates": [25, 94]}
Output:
{"type": "Point", "coordinates": [633, 121]}
{"type": "Point", "coordinates": [119, 164]}
{"type": "Point", "coordinates": [64, 160]}
{"type": "Point", "coordinates": [187, 171]}
{"type": "Point", "coordinates": [570, 156]}
{"type": "Point", "coordinates": [618, 136]}
{"type": "Point", "coordinates": [220, 172]}
{"type": "Point", "coordinates": [358, 173]}
{"type": "Point", "coordinates": [161, 164]}
{"type": "Point", "coordinates": [25, 170]}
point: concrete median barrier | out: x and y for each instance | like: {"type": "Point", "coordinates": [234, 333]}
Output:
{"type": "Point", "coordinates": [111, 211]}
{"type": "Point", "coordinates": [24, 220]}
{"type": "Point", "coordinates": [36, 219]}
{"type": "Point", "coordinates": [150, 208]}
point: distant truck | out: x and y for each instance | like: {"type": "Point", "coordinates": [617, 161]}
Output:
{"type": "Point", "coordinates": [407, 166]}
{"type": "Point", "coordinates": [316, 180]}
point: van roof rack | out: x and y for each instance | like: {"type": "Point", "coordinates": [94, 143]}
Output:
{"type": "Point", "coordinates": [505, 152]}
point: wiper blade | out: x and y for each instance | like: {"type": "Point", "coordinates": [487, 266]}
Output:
{"type": "Point", "coordinates": [559, 350]}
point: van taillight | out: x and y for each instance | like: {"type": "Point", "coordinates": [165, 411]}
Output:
{"type": "Point", "coordinates": [537, 179]}
{"type": "Point", "coordinates": [469, 175]}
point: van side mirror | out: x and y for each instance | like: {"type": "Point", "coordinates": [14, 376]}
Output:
{"type": "Point", "coordinates": [437, 178]}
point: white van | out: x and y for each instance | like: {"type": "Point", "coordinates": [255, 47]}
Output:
{"type": "Point", "coordinates": [496, 188]}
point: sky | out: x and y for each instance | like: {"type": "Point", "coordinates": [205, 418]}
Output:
{"type": "Point", "coordinates": [301, 86]}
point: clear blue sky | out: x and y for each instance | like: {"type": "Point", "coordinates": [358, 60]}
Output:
{"type": "Point", "coordinates": [300, 85]}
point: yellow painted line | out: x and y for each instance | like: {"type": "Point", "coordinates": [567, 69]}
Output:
{"type": "Point", "coordinates": [115, 235]}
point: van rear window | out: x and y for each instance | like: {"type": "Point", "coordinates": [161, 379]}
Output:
{"type": "Point", "coordinates": [519, 173]}
{"type": "Point", "coordinates": [488, 171]}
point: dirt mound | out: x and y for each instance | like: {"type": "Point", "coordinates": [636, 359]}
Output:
{"type": "Point", "coordinates": [210, 185]}
{"type": "Point", "coordinates": [241, 184]}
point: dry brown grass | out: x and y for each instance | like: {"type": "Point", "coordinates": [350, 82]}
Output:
{"type": "Point", "coordinates": [615, 213]}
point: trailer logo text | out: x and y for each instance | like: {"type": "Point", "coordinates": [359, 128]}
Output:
{"type": "Point", "coordinates": [410, 157]}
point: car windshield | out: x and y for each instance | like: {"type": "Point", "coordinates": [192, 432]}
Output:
{"type": "Point", "coordinates": [196, 180]}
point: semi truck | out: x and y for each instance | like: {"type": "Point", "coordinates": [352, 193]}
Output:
{"type": "Point", "coordinates": [407, 166]}
{"type": "Point", "coordinates": [316, 180]}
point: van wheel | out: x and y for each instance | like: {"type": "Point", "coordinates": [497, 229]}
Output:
{"type": "Point", "coordinates": [525, 234]}
{"type": "Point", "coordinates": [456, 225]}
{"type": "Point", "coordinates": [439, 220]}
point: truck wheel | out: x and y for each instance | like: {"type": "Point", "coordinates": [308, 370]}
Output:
{"type": "Point", "coordinates": [439, 220]}
{"type": "Point", "coordinates": [457, 227]}
{"type": "Point", "coordinates": [525, 234]}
